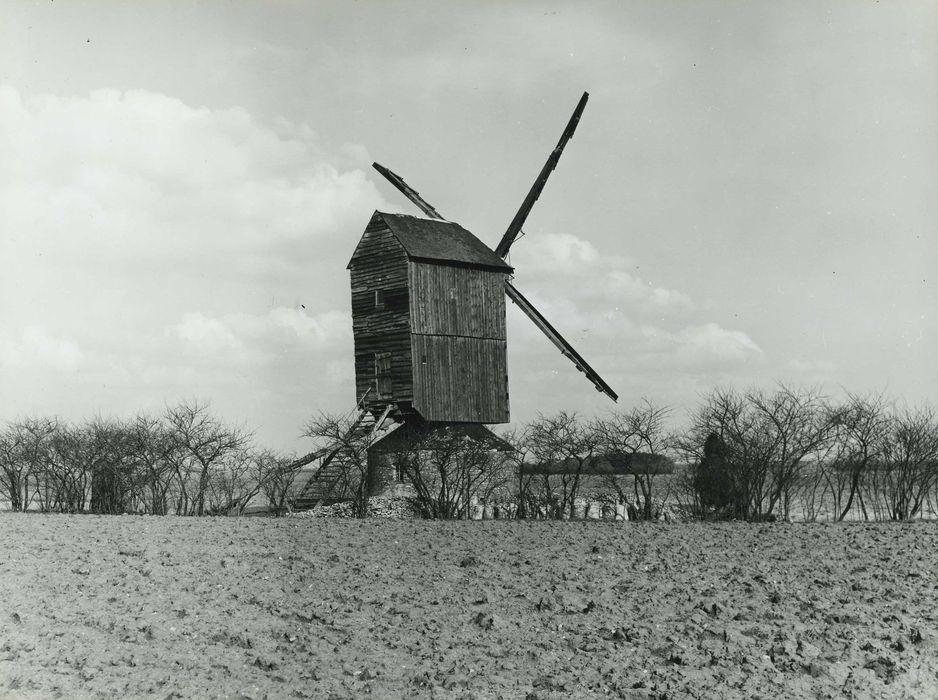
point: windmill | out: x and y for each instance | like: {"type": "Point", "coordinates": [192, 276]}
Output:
{"type": "Point", "coordinates": [428, 317]}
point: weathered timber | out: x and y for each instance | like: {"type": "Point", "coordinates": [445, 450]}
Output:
{"type": "Point", "coordinates": [380, 265]}
{"type": "Point", "coordinates": [338, 475]}
{"type": "Point", "coordinates": [454, 300]}
{"type": "Point", "coordinates": [428, 302]}
{"type": "Point", "coordinates": [559, 341]}
{"type": "Point", "coordinates": [460, 379]}
{"type": "Point", "coordinates": [407, 191]}
{"type": "Point", "coordinates": [515, 226]}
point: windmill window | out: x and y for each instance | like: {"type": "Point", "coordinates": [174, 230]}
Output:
{"type": "Point", "coordinates": [383, 380]}
{"type": "Point", "coordinates": [396, 299]}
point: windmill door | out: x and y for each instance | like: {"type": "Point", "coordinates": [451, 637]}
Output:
{"type": "Point", "coordinates": [383, 381]}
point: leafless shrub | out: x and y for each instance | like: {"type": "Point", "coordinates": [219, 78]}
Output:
{"type": "Point", "coordinates": [201, 447]}
{"type": "Point", "coordinates": [860, 430]}
{"type": "Point", "coordinates": [635, 443]}
{"type": "Point", "coordinates": [765, 439]}
{"type": "Point", "coordinates": [909, 468]}
{"type": "Point", "coordinates": [24, 448]}
{"type": "Point", "coordinates": [347, 447]}
{"type": "Point", "coordinates": [560, 448]}
{"type": "Point", "coordinates": [150, 446]}
{"type": "Point", "coordinates": [448, 469]}
{"type": "Point", "coordinates": [277, 479]}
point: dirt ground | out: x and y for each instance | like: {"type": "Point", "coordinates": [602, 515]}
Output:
{"type": "Point", "coordinates": [171, 607]}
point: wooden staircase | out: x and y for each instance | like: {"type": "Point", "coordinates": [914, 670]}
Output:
{"type": "Point", "coordinates": [341, 465]}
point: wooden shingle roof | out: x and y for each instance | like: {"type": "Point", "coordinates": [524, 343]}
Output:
{"type": "Point", "coordinates": [440, 241]}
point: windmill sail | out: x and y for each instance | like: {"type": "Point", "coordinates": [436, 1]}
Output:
{"type": "Point", "coordinates": [526, 306]}
{"type": "Point", "coordinates": [515, 227]}
{"type": "Point", "coordinates": [554, 336]}
{"type": "Point", "coordinates": [407, 191]}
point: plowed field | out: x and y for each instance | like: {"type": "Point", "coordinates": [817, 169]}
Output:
{"type": "Point", "coordinates": [172, 607]}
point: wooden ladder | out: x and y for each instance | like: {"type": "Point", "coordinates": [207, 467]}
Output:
{"type": "Point", "coordinates": [369, 440]}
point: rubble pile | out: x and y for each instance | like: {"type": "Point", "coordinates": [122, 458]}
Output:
{"type": "Point", "coordinates": [385, 506]}
{"type": "Point", "coordinates": [393, 507]}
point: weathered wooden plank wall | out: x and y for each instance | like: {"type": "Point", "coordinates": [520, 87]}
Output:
{"type": "Point", "coordinates": [381, 264]}
{"type": "Point", "coordinates": [457, 300]}
{"type": "Point", "coordinates": [443, 325]}
{"type": "Point", "coordinates": [460, 379]}
{"type": "Point", "coordinates": [458, 322]}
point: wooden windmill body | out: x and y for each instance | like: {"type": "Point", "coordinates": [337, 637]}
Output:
{"type": "Point", "coordinates": [428, 317]}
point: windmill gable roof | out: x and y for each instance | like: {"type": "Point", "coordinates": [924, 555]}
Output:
{"type": "Point", "coordinates": [439, 241]}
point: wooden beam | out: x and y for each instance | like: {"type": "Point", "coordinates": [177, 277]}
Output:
{"type": "Point", "coordinates": [514, 228]}
{"type": "Point", "coordinates": [408, 192]}
{"type": "Point", "coordinates": [559, 341]}
{"type": "Point", "coordinates": [323, 452]}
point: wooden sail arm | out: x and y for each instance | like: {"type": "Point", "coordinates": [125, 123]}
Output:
{"type": "Point", "coordinates": [408, 191]}
{"type": "Point", "coordinates": [559, 341]}
{"type": "Point", "coordinates": [514, 228]}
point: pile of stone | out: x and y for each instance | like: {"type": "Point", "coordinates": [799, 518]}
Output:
{"type": "Point", "coordinates": [393, 507]}
{"type": "Point", "coordinates": [390, 507]}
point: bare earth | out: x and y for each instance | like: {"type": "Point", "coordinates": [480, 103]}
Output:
{"type": "Point", "coordinates": [172, 607]}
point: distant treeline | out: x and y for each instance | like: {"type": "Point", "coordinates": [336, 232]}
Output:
{"type": "Point", "coordinates": [752, 455]}
{"type": "Point", "coordinates": [611, 463]}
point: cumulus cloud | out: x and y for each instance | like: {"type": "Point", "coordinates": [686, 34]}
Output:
{"type": "Point", "coordinates": [245, 338]}
{"type": "Point", "coordinates": [38, 348]}
{"type": "Point", "coordinates": [208, 336]}
{"type": "Point", "coordinates": [562, 263]}
{"type": "Point", "coordinates": [139, 177]}
{"type": "Point", "coordinates": [623, 325]}
{"type": "Point", "coordinates": [559, 252]}
{"type": "Point", "coordinates": [632, 290]}
{"type": "Point", "coordinates": [710, 343]}
{"type": "Point", "coordinates": [167, 243]}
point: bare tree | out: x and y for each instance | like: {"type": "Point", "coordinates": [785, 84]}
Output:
{"type": "Point", "coordinates": [519, 482]}
{"type": "Point", "coordinates": [346, 446]}
{"type": "Point", "coordinates": [910, 462]}
{"type": "Point", "coordinates": [21, 444]}
{"type": "Point", "coordinates": [232, 487]}
{"type": "Point", "coordinates": [201, 445]}
{"type": "Point", "coordinates": [766, 439]}
{"type": "Point", "coordinates": [448, 468]}
{"type": "Point", "coordinates": [102, 448]}
{"type": "Point", "coordinates": [561, 447]}
{"type": "Point", "coordinates": [861, 427]}
{"type": "Point", "coordinates": [723, 418]}
{"type": "Point", "coordinates": [277, 477]}
{"type": "Point", "coordinates": [33, 439]}
{"type": "Point", "coordinates": [636, 441]}
{"type": "Point", "coordinates": [799, 424]}
{"type": "Point", "coordinates": [150, 447]}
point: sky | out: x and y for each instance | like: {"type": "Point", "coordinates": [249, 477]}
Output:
{"type": "Point", "coordinates": [750, 197]}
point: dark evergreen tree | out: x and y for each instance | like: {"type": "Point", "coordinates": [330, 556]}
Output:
{"type": "Point", "coordinates": [714, 481]}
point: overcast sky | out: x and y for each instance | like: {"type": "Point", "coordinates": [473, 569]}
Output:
{"type": "Point", "coordinates": [750, 196]}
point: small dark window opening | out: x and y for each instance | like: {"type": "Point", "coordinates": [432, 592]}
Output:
{"type": "Point", "coordinates": [392, 299]}
{"type": "Point", "coordinates": [383, 380]}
